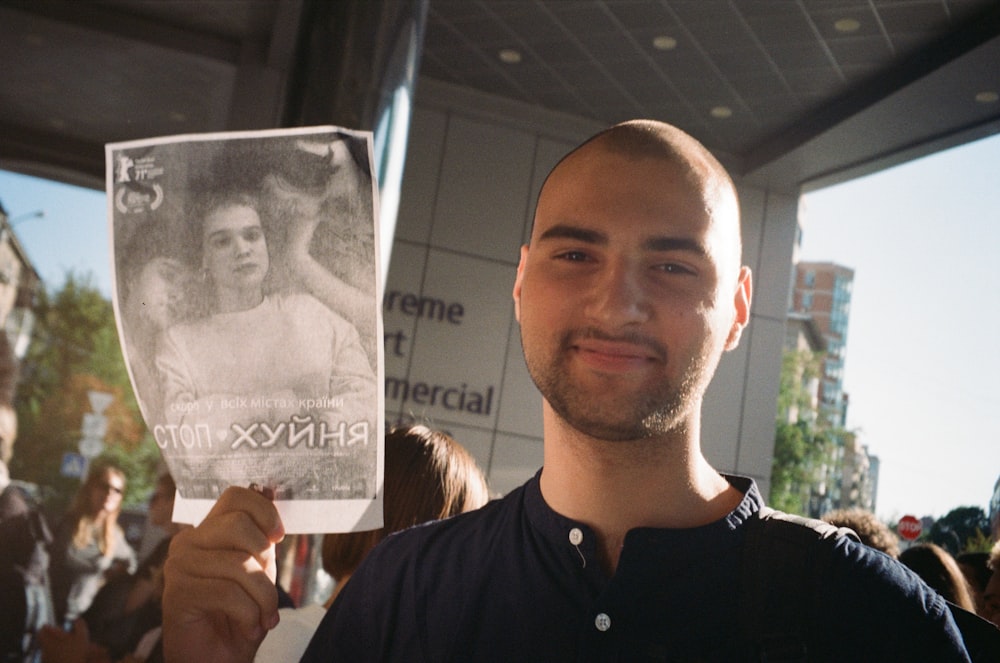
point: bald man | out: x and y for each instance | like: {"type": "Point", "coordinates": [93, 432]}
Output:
{"type": "Point", "coordinates": [627, 545]}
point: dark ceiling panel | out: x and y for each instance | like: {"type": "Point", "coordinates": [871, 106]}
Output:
{"type": "Point", "coordinates": [791, 73]}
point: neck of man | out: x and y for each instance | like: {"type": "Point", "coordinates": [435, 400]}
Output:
{"type": "Point", "coordinates": [617, 486]}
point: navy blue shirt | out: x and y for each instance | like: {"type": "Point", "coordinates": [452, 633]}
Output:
{"type": "Point", "coordinates": [515, 581]}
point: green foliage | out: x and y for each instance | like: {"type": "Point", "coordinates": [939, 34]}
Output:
{"type": "Point", "coordinates": [797, 369]}
{"type": "Point", "coordinates": [801, 448]}
{"type": "Point", "coordinates": [958, 527]}
{"type": "Point", "coordinates": [980, 542]}
{"type": "Point", "coordinates": [799, 452]}
{"type": "Point", "coordinates": [74, 350]}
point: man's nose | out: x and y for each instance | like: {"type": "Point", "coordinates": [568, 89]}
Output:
{"type": "Point", "coordinates": [616, 295]}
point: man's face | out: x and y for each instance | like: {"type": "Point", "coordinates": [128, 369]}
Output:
{"type": "Point", "coordinates": [629, 292]}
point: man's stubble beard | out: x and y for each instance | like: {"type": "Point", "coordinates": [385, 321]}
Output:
{"type": "Point", "coordinates": [618, 417]}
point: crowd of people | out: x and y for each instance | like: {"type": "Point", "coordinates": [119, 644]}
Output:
{"type": "Point", "coordinates": [626, 545]}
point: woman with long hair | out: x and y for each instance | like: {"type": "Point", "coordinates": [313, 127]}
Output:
{"type": "Point", "coordinates": [260, 358]}
{"type": "Point", "coordinates": [939, 570]}
{"type": "Point", "coordinates": [89, 547]}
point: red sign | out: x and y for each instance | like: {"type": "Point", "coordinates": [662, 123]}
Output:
{"type": "Point", "coordinates": [909, 527]}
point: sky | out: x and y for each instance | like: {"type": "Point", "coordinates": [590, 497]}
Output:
{"type": "Point", "coordinates": [922, 366]}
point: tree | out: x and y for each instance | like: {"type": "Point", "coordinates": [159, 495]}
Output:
{"type": "Point", "coordinates": [74, 350]}
{"type": "Point", "coordinates": [960, 529]}
{"type": "Point", "coordinates": [802, 447]}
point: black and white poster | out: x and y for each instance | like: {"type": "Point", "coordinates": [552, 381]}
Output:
{"type": "Point", "coordinates": [246, 295]}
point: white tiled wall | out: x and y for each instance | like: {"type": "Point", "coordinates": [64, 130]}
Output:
{"type": "Point", "coordinates": [471, 179]}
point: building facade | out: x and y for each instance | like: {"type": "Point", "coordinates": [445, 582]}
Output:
{"type": "Point", "coordinates": [822, 291]}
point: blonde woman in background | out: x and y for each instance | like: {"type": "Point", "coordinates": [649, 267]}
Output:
{"type": "Point", "coordinates": [89, 547]}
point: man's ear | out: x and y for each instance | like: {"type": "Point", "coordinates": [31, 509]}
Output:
{"type": "Point", "coordinates": [517, 282]}
{"type": "Point", "coordinates": [741, 305]}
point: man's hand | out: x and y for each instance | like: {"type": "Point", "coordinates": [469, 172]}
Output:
{"type": "Point", "coordinates": [219, 598]}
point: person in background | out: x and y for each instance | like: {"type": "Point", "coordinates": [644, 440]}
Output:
{"type": "Point", "coordinates": [991, 595]}
{"type": "Point", "coordinates": [25, 595]}
{"type": "Point", "coordinates": [975, 566]}
{"type": "Point", "coordinates": [939, 570]}
{"type": "Point", "coordinates": [123, 623]}
{"type": "Point", "coordinates": [428, 476]}
{"type": "Point", "coordinates": [872, 531]}
{"type": "Point", "coordinates": [89, 547]}
{"type": "Point", "coordinates": [125, 609]}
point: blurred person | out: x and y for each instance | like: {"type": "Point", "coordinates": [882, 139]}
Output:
{"type": "Point", "coordinates": [25, 595]}
{"type": "Point", "coordinates": [939, 570]}
{"type": "Point", "coordinates": [428, 476]}
{"type": "Point", "coordinates": [975, 566]}
{"type": "Point", "coordinates": [991, 595]}
{"type": "Point", "coordinates": [872, 531]}
{"type": "Point", "coordinates": [89, 547]}
{"type": "Point", "coordinates": [128, 607]}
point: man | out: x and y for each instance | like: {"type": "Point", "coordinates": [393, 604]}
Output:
{"type": "Point", "coordinates": [628, 545]}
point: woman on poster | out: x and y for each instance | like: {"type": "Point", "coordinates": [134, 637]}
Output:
{"type": "Point", "coordinates": [259, 362]}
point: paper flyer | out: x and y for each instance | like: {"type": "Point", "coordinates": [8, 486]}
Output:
{"type": "Point", "coordinates": [246, 293]}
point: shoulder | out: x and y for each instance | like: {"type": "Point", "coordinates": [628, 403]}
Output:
{"type": "Point", "coordinates": [799, 569]}
{"type": "Point", "coordinates": [431, 569]}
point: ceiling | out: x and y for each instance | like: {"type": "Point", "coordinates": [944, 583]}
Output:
{"type": "Point", "coordinates": [788, 93]}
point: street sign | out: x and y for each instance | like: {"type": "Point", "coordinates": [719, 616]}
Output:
{"type": "Point", "coordinates": [90, 447]}
{"type": "Point", "coordinates": [73, 465]}
{"type": "Point", "coordinates": [909, 527]}
{"type": "Point", "coordinates": [94, 425]}
{"type": "Point", "coordinates": [99, 400]}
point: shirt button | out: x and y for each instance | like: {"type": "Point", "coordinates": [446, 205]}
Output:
{"type": "Point", "coordinates": [575, 536]}
{"type": "Point", "coordinates": [602, 622]}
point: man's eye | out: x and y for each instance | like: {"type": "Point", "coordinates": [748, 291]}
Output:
{"type": "Point", "coordinates": [573, 256]}
{"type": "Point", "coordinates": [674, 268]}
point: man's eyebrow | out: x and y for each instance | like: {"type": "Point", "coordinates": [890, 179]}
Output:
{"type": "Point", "coordinates": [676, 244]}
{"type": "Point", "coordinates": [659, 243]}
{"type": "Point", "coordinates": [564, 231]}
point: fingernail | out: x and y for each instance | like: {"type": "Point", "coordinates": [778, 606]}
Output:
{"type": "Point", "coordinates": [273, 621]}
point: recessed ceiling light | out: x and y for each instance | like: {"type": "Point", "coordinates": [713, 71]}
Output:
{"type": "Point", "coordinates": [987, 97]}
{"type": "Point", "coordinates": [721, 112]}
{"type": "Point", "coordinates": [509, 56]}
{"type": "Point", "coordinates": [664, 43]}
{"type": "Point", "coordinates": [846, 25]}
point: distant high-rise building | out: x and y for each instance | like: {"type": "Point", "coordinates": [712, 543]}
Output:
{"type": "Point", "coordinates": [821, 297]}
{"type": "Point", "coordinates": [822, 290]}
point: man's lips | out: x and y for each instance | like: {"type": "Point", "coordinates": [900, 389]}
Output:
{"type": "Point", "coordinates": [614, 355]}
